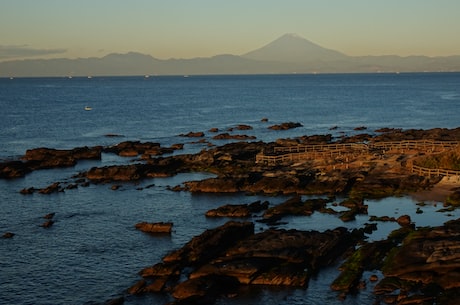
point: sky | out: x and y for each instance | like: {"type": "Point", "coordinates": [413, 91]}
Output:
{"type": "Point", "coordinates": [202, 28]}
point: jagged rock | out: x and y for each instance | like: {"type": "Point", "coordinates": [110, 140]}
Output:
{"type": "Point", "coordinates": [209, 287]}
{"type": "Point", "coordinates": [40, 158]}
{"type": "Point", "coordinates": [27, 191]}
{"type": "Point", "coordinates": [227, 136]}
{"type": "Point", "coordinates": [210, 243]}
{"type": "Point", "coordinates": [161, 269]}
{"type": "Point", "coordinates": [136, 148]}
{"type": "Point", "coordinates": [237, 210]}
{"type": "Point", "coordinates": [356, 206]}
{"type": "Point", "coordinates": [427, 257]}
{"type": "Point", "coordinates": [243, 127]}
{"type": "Point", "coordinates": [52, 188]}
{"type": "Point", "coordinates": [158, 168]}
{"type": "Point", "coordinates": [296, 206]}
{"type": "Point", "coordinates": [312, 248]}
{"type": "Point", "coordinates": [157, 227]}
{"type": "Point", "coordinates": [138, 287]}
{"type": "Point", "coordinates": [191, 134]}
{"type": "Point", "coordinates": [13, 169]}
{"type": "Point", "coordinates": [368, 257]}
{"type": "Point", "coordinates": [115, 173]}
{"type": "Point", "coordinates": [285, 126]}
{"type": "Point", "coordinates": [213, 185]}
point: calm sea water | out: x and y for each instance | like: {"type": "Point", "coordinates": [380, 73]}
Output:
{"type": "Point", "coordinates": [93, 253]}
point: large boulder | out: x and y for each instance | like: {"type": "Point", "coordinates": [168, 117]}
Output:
{"type": "Point", "coordinates": [426, 265]}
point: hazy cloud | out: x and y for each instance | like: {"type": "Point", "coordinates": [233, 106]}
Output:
{"type": "Point", "coordinates": [8, 52]}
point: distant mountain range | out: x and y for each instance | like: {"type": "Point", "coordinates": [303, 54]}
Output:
{"type": "Point", "coordinates": [288, 54]}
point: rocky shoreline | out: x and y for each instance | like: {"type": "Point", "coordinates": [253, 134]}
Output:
{"type": "Point", "coordinates": [419, 265]}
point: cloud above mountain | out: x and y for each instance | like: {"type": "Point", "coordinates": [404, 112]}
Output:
{"type": "Point", "coordinates": [22, 51]}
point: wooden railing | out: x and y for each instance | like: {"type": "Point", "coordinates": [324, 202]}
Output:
{"type": "Point", "coordinates": [307, 152]}
{"type": "Point", "coordinates": [424, 171]}
{"type": "Point", "coordinates": [301, 156]}
{"type": "Point", "coordinates": [321, 148]}
{"type": "Point", "coordinates": [415, 144]}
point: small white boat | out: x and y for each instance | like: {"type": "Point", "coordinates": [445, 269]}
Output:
{"type": "Point", "coordinates": [88, 108]}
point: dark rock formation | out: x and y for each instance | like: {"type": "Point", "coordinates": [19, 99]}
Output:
{"type": "Point", "coordinates": [157, 227]}
{"type": "Point", "coordinates": [43, 158]}
{"type": "Point", "coordinates": [136, 148]}
{"type": "Point", "coordinates": [243, 127]}
{"type": "Point", "coordinates": [27, 191]}
{"type": "Point", "coordinates": [210, 243]}
{"type": "Point", "coordinates": [238, 210]}
{"type": "Point", "coordinates": [426, 265]}
{"type": "Point", "coordinates": [40, 158]}
{"type": "Point", "coordinates": [227, 136]}
{"type": "Point", "coordinates": [295, 206]}
{"type": "Point", "coordinates": [223, 258]}
{"type": "Point", "coordinates": [52, 188]}
{"type": "Point", "coordinates": [157, 168]}
{"type": "Point", "coordinates": [205, 289]}
{"type": "Point", "coordinates": [285, 126]}
{"type": "Point", "coordinates": [368, 257]}
{"type": "Point", "coordinates": [439, 134]}
{"type": "Point", "coordinates": [13, 169]}
{"type": "Point", "coordinates": [192, 134]}
{"type": "Point", "coordinates": [356, 206]}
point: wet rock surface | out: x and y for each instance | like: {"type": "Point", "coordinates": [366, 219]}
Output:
{"type": "Point", "coordinates": [425, 264]}
{"type": "Point", "coordinates": [220, 260]}
{"type": "Point", "coordinates": [238, 210]}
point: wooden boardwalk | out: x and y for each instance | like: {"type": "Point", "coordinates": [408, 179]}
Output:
{"type": "Point", "coordinates": [300, 153]}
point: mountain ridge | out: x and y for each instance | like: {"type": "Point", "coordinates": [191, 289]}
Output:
{"type": "Point", "coordinates": [293, 48]}
{"type": "Point", "coordinates": [289, 53]}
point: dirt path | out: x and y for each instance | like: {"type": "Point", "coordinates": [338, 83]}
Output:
{"type": "Point", "coordinates": [439, 191]}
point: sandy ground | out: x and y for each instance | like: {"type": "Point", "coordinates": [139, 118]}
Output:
{"type": "Point", "coordinates": [440, 191]}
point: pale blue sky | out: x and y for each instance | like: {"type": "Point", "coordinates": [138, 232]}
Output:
{"type": "Point", "coordinates": [201, 28]}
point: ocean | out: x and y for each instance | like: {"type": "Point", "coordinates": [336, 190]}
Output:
{"type": "Point", "coordinates": [93, 252]}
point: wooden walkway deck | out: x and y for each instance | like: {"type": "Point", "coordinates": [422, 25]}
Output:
{"type": "Point", "coordinates": [352, 150]}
